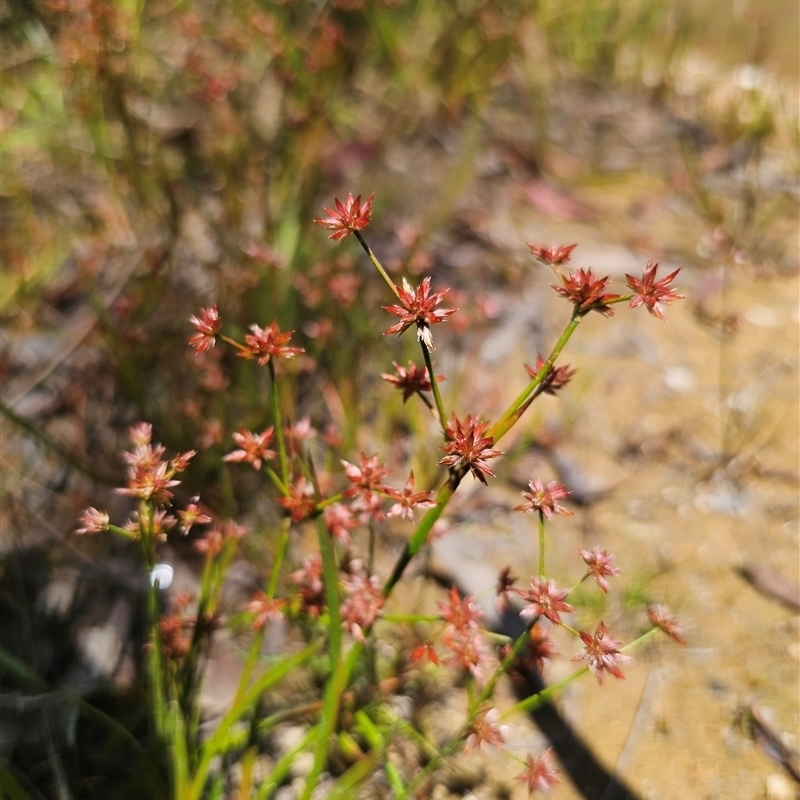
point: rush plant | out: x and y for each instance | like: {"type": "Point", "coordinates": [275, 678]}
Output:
{"type": "Point", "coordinates": [335, 599]}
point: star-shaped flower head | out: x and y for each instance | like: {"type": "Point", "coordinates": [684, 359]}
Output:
{"type": "Point", "coordinates": [407, 500]}
{"type": "Point", "coordinates": [599, 566]}
{"type": "Point", "coordinates": [652, 293]}
{"type": "Point", "coordinates": [254, 447]}
{"type": "Point", "coordinates": [207, 326]}
{"type": "Point", "coordinates": [367, 476]}
{"type": "Point", "coordinates": [410, 380]}
{"type": "Point", "coordinates": [539, 773]}
{"type": "Point", "coordinates": [348, 217]}
{"type": "Point", "coordinates": [545, 600]}
{"type": "Point", "coordinates": [419, 308]}
{"type": "Point", "coordinates": [552, 256]}
{"type": "Point", "coordinates": [586, 292]}
{"type": "Point", "coordinates": [602, 653]}
{"type": "Point", "coordinates": [544, 499]}
{"type": "Point", "coordinates": [468, 447]}
{"type": "Point", "coordinates": [557, 378]}
{"type": "Point", "coordinates": [665, 621]}
{"type": "Point", "coordinates": [265, 343]}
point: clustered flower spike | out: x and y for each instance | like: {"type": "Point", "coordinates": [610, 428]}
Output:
{"type": "Point", "coordinates": [253, 447]}
{"type": "Point", "coordinates": [486, 729]}
{"type": "Point", "coordinates": [348, 217]}
{"type": "Point", "coordinates": [265, 610]}
{"type": "Point", "coordinates": [419, 308]}
{"type": "Point", "coordinates": [468, 447]}
{"type": "Point", "coordinates": [543, 499]}
{"type": "Point", "coordinates": [666, 622]}
{"type": "Point", "coordinates": [599, 566]}
{"type": "Point", "coordinates": [362, 605]}
{"type": "Point", "coordinates": [601, 653]}
{"type": "Point", "coordinates": [407, 500]}
{"type": "Point", "coordinates": [301, 502]}
{"type": "Point", "coordinates": [557, 378]}
{"type": "Point", "coordinates": [149, 477]}
{"type": "Point", "coordinates": [410, 380]}
{"type": "Point", "coordinates": [265, 343]}
{"type": "Point", "coordinates": [207, 326]}
{"type": "Point", "coordinates": [366, 478]}
{"type": "Point", "coordinates": [552, 256]}
{"type": "Point", "coordinates": [539, 774]}
{"type": "Point", "coordinates": [93, 521]}
{"type": "Point", "coordinates": [462, 635]}
{"type": "Point", "coordinates": [586, 292]}
{"type": "Point", "coordinates": [652, 293]}
{"type": "Point", "coordinates": [545, 600]}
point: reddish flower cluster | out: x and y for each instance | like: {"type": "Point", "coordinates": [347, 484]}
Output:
{"type": "Point", "coordinates": [469, 448]}
{"type": "Point", "coordinates": [150, 478]}
{"type": "Point", "coordinates": [301, 501]}
{"type": "Point", "coordinates": [539, 647]}
{"type": "Point", "coordinates": [265, 610]}
{"type": "Point", "coordinates": [253, 447]}
{"type": "Point", "coordinates": [265, 343]}
{"type": "Point", "coordinates": [410, 380]}
{"type": "Point", "coordinates": [462, 635]}
{"type": "Point", "coordinates": [408, 499]}
{"type": "Point", "coordinates": [93, 521]}
{"type": "Point", "coordinates": [366, 478]}
{"type": "Point", "coordinates": [652, 293]}
{"type": "Point", "coordinates": [665, 621]}
{"type": "Point", "coordinates": [418, 307]}
{"type": "Point", "coordinates": [586, 292]}
{"type": "Point", "coordinates": [348, 217]}
{"type": "Point", "coordinates": [362, 605]}
{"type": "Point", "coordinates": [155, 524]}
{"type": "Point", "coordinates": [602, 653]}
{"type": "Point", "coordinates": [339, 521]}
{"type": "Point", "coordinates": [192, 515]}
{"type": "Point", "coordinates": [540, 774]}
{"type": "Point", "coordinates": [598, 566]}
{"type": "Point", "coordinates": [485, 729]}
{"type": "Point", "coordinates": [212, 542]}
{"type": "Point", "coordinates": [557, 378]}
{"type": "Point", "coordinates": [545, 599]}
{"type": "Point", "coordinates": [207, 325]}
{"type": "Point", "coordinates": [544, 499]}
{"type": "Point", "coordinates": [552, 256]}
{"type": "Point", "coordinates": [310, 584]}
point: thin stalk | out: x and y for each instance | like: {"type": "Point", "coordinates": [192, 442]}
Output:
{"type": "Point", "coordinates": [536, 701]}
{"type": "Point", "coordinates": [421, 534]}
{"type": "Point", "coordinates": [330, 576]}
{"type": "Point", "coordinates": [280, 554]}
{"type": "Point", "coordinates": [377, 264]}
{"type": "Point", "coordinates": [437, 396]}
{"type": "Point", "coordinates": [500, 428]}
{"type": "Point", "coordinates": [278, 422]}
{"type": "Point", "coordinates": [541, 544]}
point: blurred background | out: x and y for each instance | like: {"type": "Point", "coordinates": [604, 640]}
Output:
{"type": "Point", "coordinates": [158, 157]}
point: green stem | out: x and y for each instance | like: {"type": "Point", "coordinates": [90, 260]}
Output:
{"type": "Point", "coordinates": [280, 554]}
{"type": "Point", "coordinates": [331, 579]}
{"type": "Point", "coordinates": [422, 532]}
{"type": "Point", "coordinates": [541, 544]}
{"type": "Point", "coordinates": [501, 426]}
{"type": "Point", "coordinates": [377, 264]}
{"type": "Point", "coordinates": [536, 701]}
{"type": "Point", "coordinates": [437, 396]}
{"type": "Point", "coordinates": [278, 422]}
